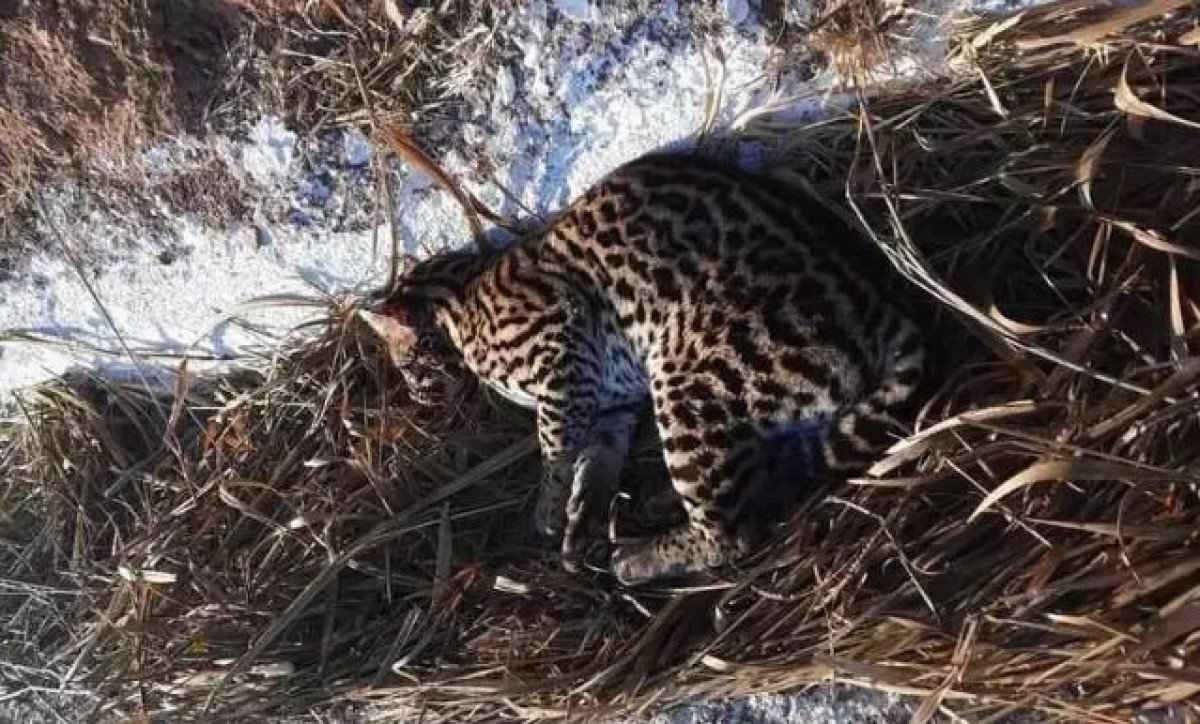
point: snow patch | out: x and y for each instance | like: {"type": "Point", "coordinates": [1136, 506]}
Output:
{"type": "Point", "coordinates": [580, 10]}
{"type": "Point", "coordinates": [737, 11]}
{"type": "Point", "coordinates": [356, 149]}
{"type": "Point", "coordinates": [268, 155]}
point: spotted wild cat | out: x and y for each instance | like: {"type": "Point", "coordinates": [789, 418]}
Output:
{"type": "Point", "coordinates": [727, 300]}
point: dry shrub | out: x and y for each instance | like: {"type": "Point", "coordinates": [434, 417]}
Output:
{"type": "Point", "coordinates": [308, 535]}
{"type": "Point", "coordinates": [366, 63]}
{"type": "Point", "coordinates": [856, 36]}
{"type": "Point", "coordinates": [23, 145]}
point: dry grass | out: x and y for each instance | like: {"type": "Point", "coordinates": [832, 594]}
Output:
{"type": "Point", "coordinates": [271, 541]}
{"type": "Point", "coordinates": [86, 87]}
{"type": "Point", "coordinates": [387, 62]}
{"type": "Point", "coordinates": [857, 37]}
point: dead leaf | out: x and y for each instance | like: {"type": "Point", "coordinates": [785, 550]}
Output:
{"type": "Point", "coordinates": [1067, 470]}
{"type": "Point", "coordinates": [1089, 165]}
{"type": "Point", "coordinates": [403, 145]}
{"type": "Point", "coordinates": [1179, 623]}
{"type": "Point", "coordinates": [1117, 21]}
{"type": "Point", "coordinates": [1153, 239]}
{"type": "Point", "coordinates": [1127, 101]}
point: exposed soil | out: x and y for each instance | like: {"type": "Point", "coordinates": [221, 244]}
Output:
{"type": "Point", "coordinates": [86, 85]}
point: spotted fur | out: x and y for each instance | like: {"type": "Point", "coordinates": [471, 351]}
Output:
{"type": "Point", "coordinates": [745, 316]}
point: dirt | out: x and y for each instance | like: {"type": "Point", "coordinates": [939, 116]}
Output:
{"type": "Point", "coordinates": [87, 85]}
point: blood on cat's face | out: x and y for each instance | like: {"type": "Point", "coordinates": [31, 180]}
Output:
{"type": "Point", "coordinates": [420, 352]}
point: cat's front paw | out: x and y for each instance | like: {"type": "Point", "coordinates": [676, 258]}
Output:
{"type": "Point", "coordinates": [680, 552]}
{"type": "Point", "coordinates": [638, 563]}
{"type": "Point", "coordinates": [630, 566]}
{"type": "Point", "coordinates": [550, 514]}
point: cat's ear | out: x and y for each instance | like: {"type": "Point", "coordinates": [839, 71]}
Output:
{"type": "Point", "coordinates": [395, 329]}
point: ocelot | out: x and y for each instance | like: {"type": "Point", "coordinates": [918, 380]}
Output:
{"type": "Point", "coordinates": [752, 320]}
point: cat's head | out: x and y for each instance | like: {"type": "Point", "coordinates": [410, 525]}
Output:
{"type": "Point", "coordinates": [417, 323]}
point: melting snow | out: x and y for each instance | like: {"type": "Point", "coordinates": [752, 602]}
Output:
{"type": "Point", "coordinates": [269, 155]}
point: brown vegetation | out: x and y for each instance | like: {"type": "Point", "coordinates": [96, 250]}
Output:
{"type": "Point", "coordinates": [266, 542]}
{"type": "Point", "coordinates": [86, 85]}
{"type": "Point", "coordinates": [856, 36]}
